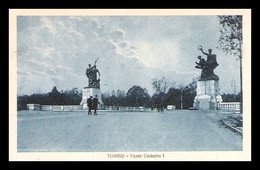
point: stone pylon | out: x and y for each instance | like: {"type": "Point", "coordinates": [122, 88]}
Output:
{"type": "Point", "coordinates": [208, 95]}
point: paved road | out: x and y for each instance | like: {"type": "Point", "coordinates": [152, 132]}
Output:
{"type": "Point", "coordinates": [128, 131]}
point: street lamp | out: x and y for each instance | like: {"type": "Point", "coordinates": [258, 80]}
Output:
{"type": "Point", "coordinates": [181, 87]}
{"type": "Point", "coordinates": [233, 84]}
{"type": "Point", "coordinates": [181, 100]}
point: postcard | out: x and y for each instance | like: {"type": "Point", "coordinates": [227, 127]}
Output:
{"type": "Point", "coordinates": [129, 84]}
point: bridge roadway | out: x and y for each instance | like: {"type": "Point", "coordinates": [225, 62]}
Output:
{"type": "Point", "coordinates": [124, 131]}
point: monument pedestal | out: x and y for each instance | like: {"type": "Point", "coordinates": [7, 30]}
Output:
{"type": "Point", "coordinates": [90, 91]}
{"type": "Point", "coordinates": [208, 95]}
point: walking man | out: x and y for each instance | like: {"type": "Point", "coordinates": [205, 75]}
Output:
{"type": "Point", "coordinates": [89, 102]}
{"type": "Point", "coordinates": [95, 104]}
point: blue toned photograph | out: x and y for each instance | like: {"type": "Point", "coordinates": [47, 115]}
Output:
{"type": "Point", "coordinates": [129, 83]}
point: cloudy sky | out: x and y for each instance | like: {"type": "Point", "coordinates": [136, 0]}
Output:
{"type": "Point", "coordinates": [132, 50]}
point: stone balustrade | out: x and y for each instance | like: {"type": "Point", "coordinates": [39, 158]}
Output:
{"type": "Point", "coordinates": [60, 108]}
{"type": "Point", "coordinates": [230, 106]}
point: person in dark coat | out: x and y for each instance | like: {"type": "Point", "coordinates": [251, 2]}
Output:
{"type": "Point", "coordinates": [95, 104]}
{"type": "Point", "coordinates": [89, 102]}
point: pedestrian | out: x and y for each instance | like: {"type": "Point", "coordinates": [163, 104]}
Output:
{"type": "Point", "coordinates": [89, 102]}
{"type": "Point", "coordinates": [95, 104]}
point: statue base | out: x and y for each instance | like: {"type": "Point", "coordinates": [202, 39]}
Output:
{"type": "Point", "coordinates": [90, 91]}
{"type": "Point", "coordinates": [208, 95]}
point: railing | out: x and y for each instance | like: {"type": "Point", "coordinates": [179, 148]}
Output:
{"type": "Point", "coordinates": [60, 108]}
{"type": "Point", "coordinates": [33, 106]}
{"type": "Point", "coordinates": [230, 106]}
{"type": "Point", "coordinates": [126, 108]}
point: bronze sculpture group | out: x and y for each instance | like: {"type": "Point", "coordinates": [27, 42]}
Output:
{"type": "Point", "coordinates": [91, 73]}
{"type": "Point", "coordinates": [207, 66]}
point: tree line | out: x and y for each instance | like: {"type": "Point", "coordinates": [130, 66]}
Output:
{"type": "Point", "coordinates": [54, 97]}
{"type": "Point", "coordinates": [166, 93]}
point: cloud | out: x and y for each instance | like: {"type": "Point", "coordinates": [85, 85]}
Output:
{"type": "Point", "coordinates": [46, 23]}
{"type": "Point", "coordinates": [62, 47]}
{"type": "Point", "coordinates": [123, 44]}
{"type": "Point", "coordinates": [76, 18]}
{"type": "Point", "coordinates": [117, 35]}
{"type": "Point", "coordinates": [55, 51]}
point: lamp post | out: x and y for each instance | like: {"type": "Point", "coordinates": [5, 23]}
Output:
{"type": "Point", "coordinates": [181, 88]}
{"type": "Point", "coordinates": [181, 100]}
{"type": "Point", "coordinates": [233, 84]}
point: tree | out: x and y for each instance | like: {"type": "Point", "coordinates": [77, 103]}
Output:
{"type": "Point", "coordinates": [231, 40]}
{"type": "Point", "coordinates": [173, 97]}
{"type": "Point", "coordinates": [137, 96]}
{"type": "Point", "coordinates": [182, 97]}
{"type": "Point", "coordinates": [158, 101]}
{"type": "Point", "coordinates": [162, 85]}
{"type": "Point", "coordinates": [70, 97]}
{"type": "Point", "coordinates": [54, 96]}
{"type": "Point", "coordinates": [189, 93]}
{"type": "Point", "coordinates": [231, 97]}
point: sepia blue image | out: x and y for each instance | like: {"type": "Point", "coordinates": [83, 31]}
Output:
{"type": "Point", "coordinates": [129, 83]}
